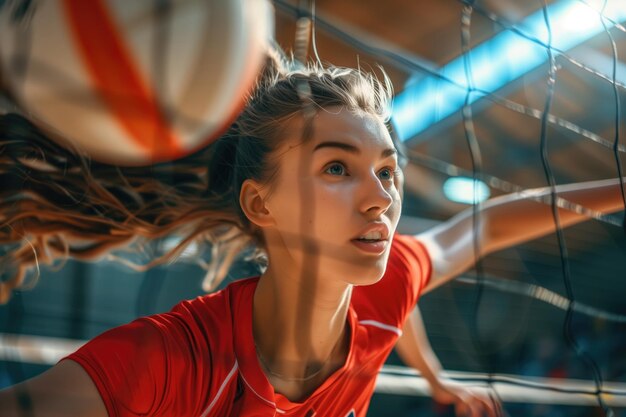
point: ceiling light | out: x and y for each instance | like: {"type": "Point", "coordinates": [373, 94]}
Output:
{"type": "Point", "coordinates": [465, 190]}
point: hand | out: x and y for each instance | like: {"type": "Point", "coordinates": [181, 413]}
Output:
{"type": "Point", "coordinates": [468, 402]}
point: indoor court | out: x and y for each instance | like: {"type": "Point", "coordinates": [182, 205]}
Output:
{"type": "Point", "coordinates": [490, 97]}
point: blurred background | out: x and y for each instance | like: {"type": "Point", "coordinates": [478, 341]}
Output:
{"type": "Point", "coordinates": [491, 58]}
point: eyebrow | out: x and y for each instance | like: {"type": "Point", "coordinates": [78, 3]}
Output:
{"type": "Point", "coordinates": [352, 149]}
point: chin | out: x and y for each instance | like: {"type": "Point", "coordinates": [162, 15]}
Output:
{"type": "Point", "coordinates": [366, 274]}
{"type": "Point", "coordinates": [369, 278]}
{"type": "Point", "coordinates": [352, 267]}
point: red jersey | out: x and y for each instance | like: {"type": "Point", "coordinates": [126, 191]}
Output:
{"type": "Point", "coordinates": [200, 359]}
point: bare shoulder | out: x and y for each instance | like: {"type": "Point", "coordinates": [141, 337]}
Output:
{"type": "Point", "coordinates": [64, 390]}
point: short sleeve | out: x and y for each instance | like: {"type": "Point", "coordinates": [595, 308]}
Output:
{"type": "Point", "coordinates": [137, 367]}
{"type": "Point", "coordinates": [410, 258]}
{"type": "Point", "coordinates": [392, 298]}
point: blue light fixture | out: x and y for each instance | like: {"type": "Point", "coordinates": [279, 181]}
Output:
{"type": "Point", "coordinates": [465, 190]}
{"type": "Point", "coordinates": [498, 61]}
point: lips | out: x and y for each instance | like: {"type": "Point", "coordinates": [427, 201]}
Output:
{"type": "Point", "coordinates": [378, 230]}
{"type": "Point", "coordinates": [373, 239]}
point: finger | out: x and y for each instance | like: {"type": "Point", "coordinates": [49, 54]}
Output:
{"type": "Point", "coordinates": [461, 409]}
{"type": "Point", "coordinates": [489, 406]}
{"type": "Point", "coordinates": [476, 408]}
{"type": "Point", "coordinates": [444, 397]}
{"type": "Point", "coordinates": [468, 406]}
{"type": "Point", "coordinates": [494, 402]}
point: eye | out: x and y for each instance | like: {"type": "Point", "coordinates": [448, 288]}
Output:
{"type": "Point", "coordinates": [387, 174]}
{"type": "Point", "coordinates": [336, 168]}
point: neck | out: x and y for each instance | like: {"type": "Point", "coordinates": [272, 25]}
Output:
{"type": "Point", "coordinates": [299, 324]}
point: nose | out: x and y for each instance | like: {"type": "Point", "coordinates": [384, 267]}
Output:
{"type": "Point", "coordinates": [376, 197]}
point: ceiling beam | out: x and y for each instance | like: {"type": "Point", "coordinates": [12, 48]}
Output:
{"type": "Point", "coordinates": [497, 62]}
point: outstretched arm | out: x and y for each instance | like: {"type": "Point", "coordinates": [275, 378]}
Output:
{"type": "Point", "coordinates": [510, 220]}
{"type": "Point", "coordinates": [64, 390]}
{"type": "Point", "coordinates": [415, 351]}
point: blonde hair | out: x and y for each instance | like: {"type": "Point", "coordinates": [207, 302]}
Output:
{"type": "Point", "coordinates": [57, 204]}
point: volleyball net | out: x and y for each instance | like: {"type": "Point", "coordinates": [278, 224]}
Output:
{"type": "Point", "coordinates": [553, 81]}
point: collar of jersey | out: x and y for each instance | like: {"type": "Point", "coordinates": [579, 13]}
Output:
{"type": "Point", "coordinates": [249, 366]}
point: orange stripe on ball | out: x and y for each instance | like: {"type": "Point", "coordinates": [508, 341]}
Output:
{"type": "Point", "coordinates": [117, 80]}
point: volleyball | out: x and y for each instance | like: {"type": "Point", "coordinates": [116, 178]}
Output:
{"type": "Point", "coordinates": [132, 82]}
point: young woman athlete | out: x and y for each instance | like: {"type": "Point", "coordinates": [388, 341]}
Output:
{"type": "Point", "coordinates": [309, 174]}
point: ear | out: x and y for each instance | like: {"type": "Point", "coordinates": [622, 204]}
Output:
{"type": "Point", "coordinates": [252, 202]}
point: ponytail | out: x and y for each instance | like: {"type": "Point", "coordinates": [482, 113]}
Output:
{"type": "Point", "coordinates": [57, 204]}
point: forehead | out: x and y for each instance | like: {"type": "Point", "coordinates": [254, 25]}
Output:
{"type": "Point", "coordinates": [361, 129]}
